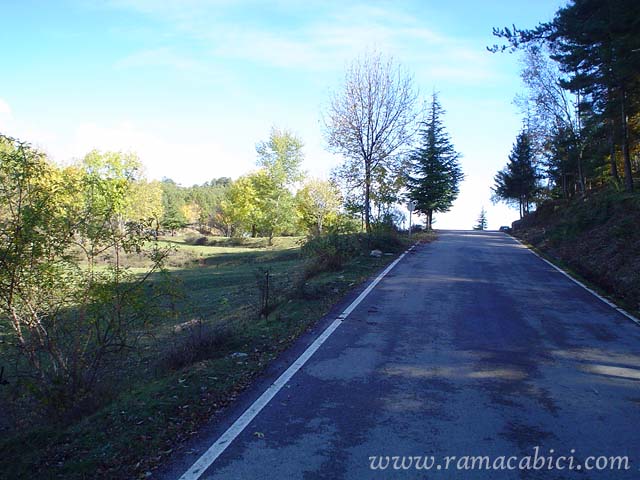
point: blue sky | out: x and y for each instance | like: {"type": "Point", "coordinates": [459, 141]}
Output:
{"type": "Point", "coordinates": [193, 85]}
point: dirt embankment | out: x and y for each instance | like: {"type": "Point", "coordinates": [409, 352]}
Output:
{"type": "Point", "coordinates": [598, 237]}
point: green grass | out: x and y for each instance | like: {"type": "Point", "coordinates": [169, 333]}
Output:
{"type": "Point", "coordinates": [156, 407]}
{"type": "Point", "coordinates": [220, 280]}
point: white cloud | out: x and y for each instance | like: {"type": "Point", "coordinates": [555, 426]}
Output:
{"type": "Point", "coordinates": [327, 46]}
{"type": "Point", "coordinates": [171, 8]}
{"type": "Point", "coordinates": [157, 57]}
{"type": "Point", "coordinates": [319, 43]}
{"type": "Point", "coordinates": [33, 132]}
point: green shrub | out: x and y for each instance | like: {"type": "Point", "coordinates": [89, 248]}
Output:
{"type": "Point", "coordinates": [196, 240]}
{"type": "Point", "coordinates": [384, 241]}
{"type": "Point", "coordinates": [344, 224]}
{"type": "Point", "coordinates": [331, 252]}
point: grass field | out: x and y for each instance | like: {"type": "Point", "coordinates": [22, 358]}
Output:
{"type": "Point", "coordinates": [195, 363]}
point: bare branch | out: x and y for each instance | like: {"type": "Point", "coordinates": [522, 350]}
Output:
{"type": "Point", "coordinates": [373, 118]}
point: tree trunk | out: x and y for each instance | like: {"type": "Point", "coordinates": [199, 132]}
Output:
{"type": "Point", "coordinates": [367, 196]}
{"type": "Point", "coordinates": [429, 219]}
{"type": "Point", "coordinates": [628, 176]}
{"type": "Point", "coordinates": [580, 146]}
{"type": "Point", "coordinates": [612, 145]}
{"type": "Point", "coordinates": [521, 208]}
{"type": "Point", "coordinates": [580, 174]}
{"type": "Point", "coordinates": [612, 156]}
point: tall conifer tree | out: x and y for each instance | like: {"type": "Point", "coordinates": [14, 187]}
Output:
{"type": "Point", "coordinates": [518, 182]}
{"type": "Point", "coordinates": [435, 173]}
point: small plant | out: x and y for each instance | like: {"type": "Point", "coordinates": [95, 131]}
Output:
{"type": "Point", "coordinates": [194, 342]}
{"type": "Point", "coordinates": [201, 241]}
{"type": "Point", "coordinates": [384, 241]}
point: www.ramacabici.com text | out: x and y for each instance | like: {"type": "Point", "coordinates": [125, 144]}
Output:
{"type": "Point", "coordinates": [538, 460]}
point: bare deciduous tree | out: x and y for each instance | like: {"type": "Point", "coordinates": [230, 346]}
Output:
{"type": "Point", "coordinates": [372, 119]}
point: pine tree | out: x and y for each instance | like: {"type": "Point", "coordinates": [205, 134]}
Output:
{"type": "Point", "coordinates": [435, 173]}
{"type": "Point", "coordinates": [482, 220]}
{"type": "Point", "coordinates": [596, 43]}
{"type": "Point", "coordinates": [519, 182]}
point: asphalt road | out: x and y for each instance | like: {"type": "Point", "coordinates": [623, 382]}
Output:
{"type": "Point", "coordinates": [470, 346]}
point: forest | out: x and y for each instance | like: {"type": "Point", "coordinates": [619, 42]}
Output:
{"type": "Point", "coordinates": [580, 106]}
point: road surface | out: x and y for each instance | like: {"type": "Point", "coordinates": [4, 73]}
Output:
{"type": "Point", "coordinates": [471, 347]}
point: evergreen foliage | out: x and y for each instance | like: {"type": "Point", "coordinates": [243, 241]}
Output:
{"type": "Point", "coordinates": [596, 44]}
{"type": "Point", "coordinates": [435, 173]}
{"type": "Point", "coordinates": [518, 182]}
{"type": "Point", "coordinates": [482, 220]}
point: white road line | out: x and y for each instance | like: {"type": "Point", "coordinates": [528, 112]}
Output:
{"type": "Point", "coordinates": [220, 445]}
{"type": "Point", "coordinates": [596, 294]}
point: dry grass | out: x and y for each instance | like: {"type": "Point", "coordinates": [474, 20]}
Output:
{"type": "Point", "coordinates": [596, 237]}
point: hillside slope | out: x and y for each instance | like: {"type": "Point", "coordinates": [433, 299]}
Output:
{"type": "Point", "coordinates": [597, 237]}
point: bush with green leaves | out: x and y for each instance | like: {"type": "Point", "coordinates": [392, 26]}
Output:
{"type": "Point", "coordinates": [68, 306]}
{"type": "Point", "coordinates": [386, 241]}
{"type": "Point", "coordinates": [331, 252]}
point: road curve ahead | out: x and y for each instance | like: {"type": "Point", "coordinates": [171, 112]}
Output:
{"type": "Point", "coordinates": [473, 348]}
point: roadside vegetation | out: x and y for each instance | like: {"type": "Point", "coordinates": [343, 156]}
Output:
{"type": "Point", "coordinates": [596, 238]}
{"type": "Point", "coordinates": [132, 311]}
{"type": "Point", "coordinates": [576, 161]}
{"type": "Point", "coordinates": [214, 338]}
